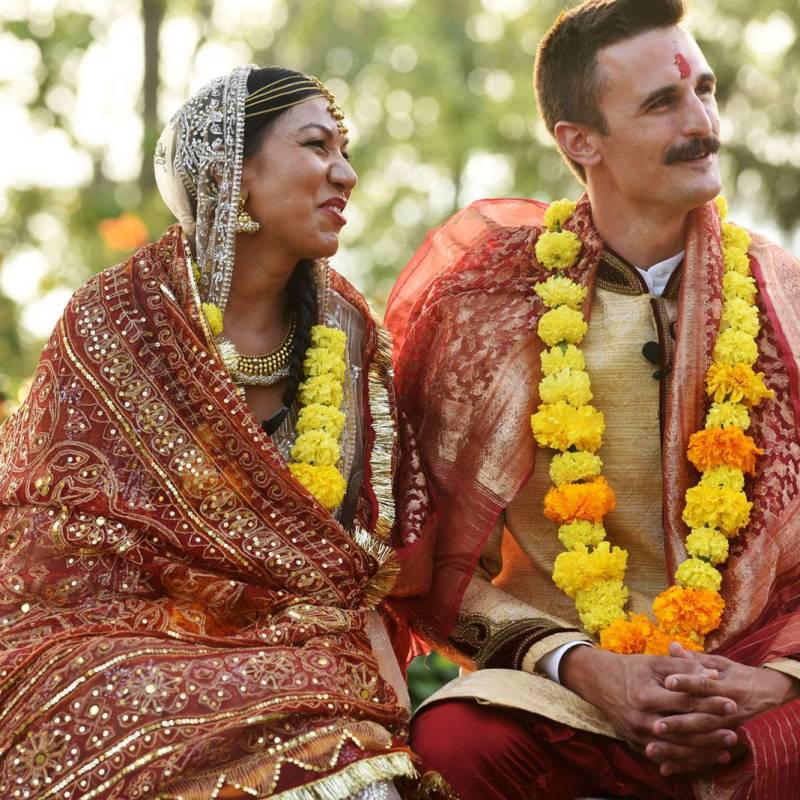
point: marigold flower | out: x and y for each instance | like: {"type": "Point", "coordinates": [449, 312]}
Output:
{"type": "Point", "coordinates": [698, 574]}
{"type": "Point", "coordinates": [735, 346]}
{"type": "Point", "coordinates": [214, 318]}
{"type": "Point", "coordinates": [565, 357]}
{"type": "Point", "coordinates": [734, 284]}
{"type": "Point", "coordinates": [723, 478]}
{"type": "Point", "coordinates": [724, 509]}
{"type": "Point", "coordinates": [560, 426]}
{"type": "Point", "coordinates": [708, 544]}
{"type": "Point", "coordinates": [581, 532]}
{"type": "Point", "coordinates": [323, 418]}
{"type": "Point", "coordinates": [325, 483]}
{"type": "Point", "coordinates": [330, 338]}
{"type": "Point", "coordinates": [589, 501]}
{"type": "Point", "coordinates": [735, 237]}
{"type": "Point", "coordinates": [715, 447]}
{"type": "Point", "coordinates": [736, 383]}
{"type": "Point", "coordinates": [735, 259]}
{"type": "Point", "coordinates": [684, 610]}
{"type": "Point", "coordinates": [316, 447]}
{"type": "Point", "coordinates": [322, 389]}
{"type": "Point", "coordinates": [601, 604]}
{"type": "Point", "coordinates": [558, 213]}
{"type": "Point", "coordinates": [722, 206]}
{"type": "Point", "coordinates": [559, 291]}
{"type": "Point", "coordinates": [659, 642]}
{"type": "Point", "coordinates": [570, 386]}
{"type": "Point", "coordinates": [740, 316]}
{"type": "Point", "coordinates": [725, 415]}
{"type": "Point", "coordinates": [125, 232]}
{"type": "Point", "coordinates": [562, 324]}
{"type": "Point", "coordinates": [627, 636]}
{"type": "Point", "coordinates": [557, 249]}
{"type": "Point", "coordinates": [576, 570]}
{"type": "Point", "coordinates": [322, 361]}
{"type": "Point", "coordinates": [574, 467]}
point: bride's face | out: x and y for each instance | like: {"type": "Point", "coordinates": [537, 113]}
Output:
{"type": "Point", "coordinates": [299, 181]}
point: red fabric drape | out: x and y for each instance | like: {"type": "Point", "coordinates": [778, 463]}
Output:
{"type": "Point", "coordinates": [174, 605]}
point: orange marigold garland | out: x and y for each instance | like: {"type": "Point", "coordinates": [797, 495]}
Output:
{"type": "Point", "coordinates": [717, 447]}
{"type": "Point", "coordinates": [587, 501]}
{"type": "Point", "coordinates": [590, 570]}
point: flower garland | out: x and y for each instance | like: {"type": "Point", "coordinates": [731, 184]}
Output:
{"type": "Point", "coordinates": [591, 571]}
{"type": "Point", "coordinates": [317, 448]}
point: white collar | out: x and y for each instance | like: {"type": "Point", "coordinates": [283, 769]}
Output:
{"type": "Point", "coordinates": [657, 276]}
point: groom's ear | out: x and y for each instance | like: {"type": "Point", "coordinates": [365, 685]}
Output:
{"type": "Point", "coordinates": [578, 142]}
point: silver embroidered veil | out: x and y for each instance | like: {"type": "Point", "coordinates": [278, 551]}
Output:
{"type": "Point", "coordinates": [198, 168]}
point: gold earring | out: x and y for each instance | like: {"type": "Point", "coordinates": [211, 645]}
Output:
{"type": "Point", "coordinates": [244, 222]}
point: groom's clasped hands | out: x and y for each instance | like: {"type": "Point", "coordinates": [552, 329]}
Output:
{"type": "Point", "coordinates": [683, 711]}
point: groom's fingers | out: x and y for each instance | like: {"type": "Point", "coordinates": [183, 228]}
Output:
{"type": "Point", "coordinates": [708, 662]}
{"type": "Point", "coordinates": [681, 727]}
{"type": "Point", "coordinates": [675, 759]}
{"type": "Point", "coordinates": [696, 685]}
{"type": "Point", "coordinates": [664, 702]}
{"type": "Point", "coordinates": [669, 768]}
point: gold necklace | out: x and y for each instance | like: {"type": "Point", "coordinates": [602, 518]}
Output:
{"type": "Point", "coordinates": [264, 370]}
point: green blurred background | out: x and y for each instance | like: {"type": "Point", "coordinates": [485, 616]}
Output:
{"type": "Point", "coordinates": [438, 100]}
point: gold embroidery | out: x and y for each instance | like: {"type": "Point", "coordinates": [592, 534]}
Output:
{"type": "Point", "coordinates": [498, 643]}
{"type": "Point", "coordinates": [614, 275]}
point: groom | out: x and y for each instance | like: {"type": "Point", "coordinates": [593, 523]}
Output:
{"type": "Point", "coordinates": [544, 712]}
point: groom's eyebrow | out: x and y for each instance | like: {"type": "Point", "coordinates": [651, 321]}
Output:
{"type": "Point", "coordinates": [673, 88]}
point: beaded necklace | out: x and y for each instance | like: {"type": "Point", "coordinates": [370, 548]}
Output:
{"type": "Point", "coordinates": [591, 571]}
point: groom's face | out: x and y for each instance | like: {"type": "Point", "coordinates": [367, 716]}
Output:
{"type": "Point", "coordinates": [661, 111]}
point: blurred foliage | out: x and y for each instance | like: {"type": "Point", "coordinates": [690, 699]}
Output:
{"type": "Point", "coordinates": [438, 96]}
{"type": "Point", "coordinates": [439, 101]}
{"type": "Point", "coordinates": [426, 674]}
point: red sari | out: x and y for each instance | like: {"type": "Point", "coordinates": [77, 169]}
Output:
{"type": "Point", "coordinates": [461, 313]}
{"type": "Point", "coordinates": [177, 613]}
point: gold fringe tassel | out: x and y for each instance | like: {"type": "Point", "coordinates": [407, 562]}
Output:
{"type": "Point", "coordinates": [354, 778]}
{"type": "Point", "coordinates": [382, 459]}
{"type": "Point", "coordinates": [370, 544]}
{"type": "Point", "coordinates": [345, 783]}
{"type": "Point", "coordinates": [382, 582]}
{"type": "Point", "coordinates": [227, 352]}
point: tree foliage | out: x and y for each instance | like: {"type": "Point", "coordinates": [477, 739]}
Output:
{"type": "Point", "coordinates": [439, 100]}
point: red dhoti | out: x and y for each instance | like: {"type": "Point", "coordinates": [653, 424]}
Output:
{"type": "Point", "coordinates": [490, 753]}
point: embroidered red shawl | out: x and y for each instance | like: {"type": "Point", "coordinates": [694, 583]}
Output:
{"type": "Point", "coordinates": [464, 321]}
{"type": "Point", "coordinates": [177, 614]}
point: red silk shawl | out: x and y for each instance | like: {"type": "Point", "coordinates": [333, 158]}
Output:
{"type": "Point", "coordinates": [463, 318]}
{"type": "Point", "coordinates": [174, 605]}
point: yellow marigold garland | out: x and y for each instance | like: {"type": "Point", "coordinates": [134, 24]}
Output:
{"type": "Point", "coordinates": [590, 571]}
{"type": "Point", "coordinates": [317, 448]}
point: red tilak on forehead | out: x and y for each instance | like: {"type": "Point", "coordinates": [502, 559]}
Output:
{"type": "Point", "coordinates": [683, 66]}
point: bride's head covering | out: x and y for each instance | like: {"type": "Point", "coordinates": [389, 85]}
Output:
{"type": "Point", "coordinates": [198, 159]}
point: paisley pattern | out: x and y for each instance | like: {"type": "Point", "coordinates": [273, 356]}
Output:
{"type": "Point", "coordinates": [177, 614]}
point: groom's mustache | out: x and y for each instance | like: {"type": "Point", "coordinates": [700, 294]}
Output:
{"type": "Point", "coordinates": [694, 148]}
